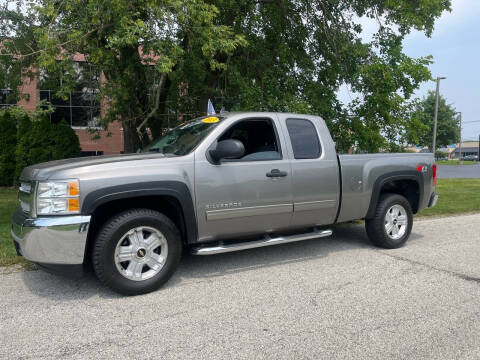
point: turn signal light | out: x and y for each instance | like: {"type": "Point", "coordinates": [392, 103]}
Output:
{"type": "Point", "coordinates": [73, 205]}
{"type": "Point", "coordinates": [73, 188]}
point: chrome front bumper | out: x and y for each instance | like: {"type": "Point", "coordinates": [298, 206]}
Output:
{"type": "Point", "coordinates": [51, 240]}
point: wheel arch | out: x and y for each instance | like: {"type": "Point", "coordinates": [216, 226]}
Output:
{"type": "Point", "coordinates": [408, 184]}
{"type": "Point", "coordinates": [171, 198]}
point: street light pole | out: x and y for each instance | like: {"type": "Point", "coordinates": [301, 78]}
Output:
{"type": "Point", "coordinates": [460, 143]}
{"type": "Point", "coordinates": [436, 114]}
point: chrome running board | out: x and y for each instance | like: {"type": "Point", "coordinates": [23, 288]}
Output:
{"type": "Point", "coordinates": [266, 241]}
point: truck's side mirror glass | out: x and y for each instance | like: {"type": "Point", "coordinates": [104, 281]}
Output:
{"type": "Point", "coordinates": [227, 149]}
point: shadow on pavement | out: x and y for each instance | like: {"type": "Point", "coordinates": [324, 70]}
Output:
{"type": "Point", "coordinates": [346, 237]}
{"type": "Point", "coordinates": [62, 288]}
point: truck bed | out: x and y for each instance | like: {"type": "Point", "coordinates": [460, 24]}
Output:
{"type": "Point", "coordinates": [362, 173]}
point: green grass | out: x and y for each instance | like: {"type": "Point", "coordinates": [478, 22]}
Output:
{"type": "Point", "coordinates": [8, 204]}
{"type": "Point", "coordinates": [457, 196]}
{"type": "Point", "coordinates": [455, 162]}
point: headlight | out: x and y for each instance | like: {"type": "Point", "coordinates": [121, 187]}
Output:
{"type": "Point", "coordinates": [58, 197]}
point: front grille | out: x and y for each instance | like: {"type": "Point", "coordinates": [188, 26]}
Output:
{"type": "Point", "coordinates": [26, 196]}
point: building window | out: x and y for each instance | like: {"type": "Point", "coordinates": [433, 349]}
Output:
{"type": "Point", "coordinates": [7, 98]}
{"type": "Point", "coordinates": [7, 95]}
{"type": "Point", "coordinates": [81, 108]}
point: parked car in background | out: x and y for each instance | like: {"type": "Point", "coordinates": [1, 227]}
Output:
{"type": "Point", "coordinates": [470, 158]}
{"type": "Point", "coordinates": [209, 186]}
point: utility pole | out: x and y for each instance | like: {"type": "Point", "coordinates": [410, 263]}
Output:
{"type": "Point", "coordinates": [460, 143]}
{"type": "Point", "coordinates": [436, 114]}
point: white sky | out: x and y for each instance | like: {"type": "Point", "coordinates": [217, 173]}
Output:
{"type": "Point", "coordinates": [455, 47]}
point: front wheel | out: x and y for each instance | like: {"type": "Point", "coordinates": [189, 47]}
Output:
{"type": "Point", "coordinates": [137, 251]}
{"type": "Point", "coordinates": [392, 223]}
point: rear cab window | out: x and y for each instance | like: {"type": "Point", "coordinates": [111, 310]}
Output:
{"type": "Point", "coordinates": [304, 139]}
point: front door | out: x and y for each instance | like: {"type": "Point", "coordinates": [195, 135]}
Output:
{"type": "Point", "coordinates": [249, 195]}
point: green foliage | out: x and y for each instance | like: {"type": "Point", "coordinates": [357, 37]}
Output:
{"type": "Point", "coordinates": [300, 53]}
{"type": "Point", "coordinates": [28, 138]}
{"type": "Point", "coordinates": [8, 205]}
{"type": "Point", "coordinates": [65, 142]}
{"type": "Point", "coordinates": [136, 44]}
{"type": "Point", "coordinates": [289, 55]}
{"type": "Point", "coordinates": [41, 141]}
{"type": "Point", "coordinates": [8, 142]}
{"type": "Point", "coordinates": [24, 127]}
{"type": "Point", "coordinates": [448, 126]}
{"type": "Point", "coordinates": [440, 154]}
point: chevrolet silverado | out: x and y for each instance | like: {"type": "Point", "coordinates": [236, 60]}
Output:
{"type": "Point", "coordinates": [212, 185]}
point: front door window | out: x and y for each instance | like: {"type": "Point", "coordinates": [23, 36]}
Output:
{"type": "Point", "coordinates": [259, 138]}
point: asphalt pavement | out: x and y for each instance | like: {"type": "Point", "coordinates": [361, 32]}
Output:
{"type": "Point", "coordinates": [458, 171]}
{"type": "Point", "coordinates": [329, 298]}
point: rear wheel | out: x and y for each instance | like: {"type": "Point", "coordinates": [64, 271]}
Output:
{"type": "Point", "coordinates": [392, 224]}
{"type": "Point", "coordinates": [137, 251]}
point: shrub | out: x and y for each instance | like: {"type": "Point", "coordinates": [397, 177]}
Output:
{"type": "Point", "coordinates": [24, 126]}
{"type": "Point", "coordinates": [41, 141]}
{"type": "Point", "coordinates": [66, 143]}
{"type": "Point", "coordinates": [27, 138]}
{"type": "Point", "coordinates": [8, 143]}
{"type": "Point", "coordinates": [440, 154]}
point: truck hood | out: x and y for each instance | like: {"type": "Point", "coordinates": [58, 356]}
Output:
{"type": "Point", "coordinates": [43, 171]}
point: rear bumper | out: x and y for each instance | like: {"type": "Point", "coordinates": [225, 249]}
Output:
{"type": "Point", "coordinates": [51, 240]}
{"type": "Point", "coordinates": [433, 200]}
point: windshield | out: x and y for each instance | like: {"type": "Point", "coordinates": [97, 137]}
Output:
{"type": "Point", "coordinates": [185, 137]}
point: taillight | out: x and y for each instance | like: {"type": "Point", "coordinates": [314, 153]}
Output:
{"type": "Point", "coordinates": [434, 169]}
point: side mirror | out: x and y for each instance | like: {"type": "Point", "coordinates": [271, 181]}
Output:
{"type": "Point", "coordinates": [227, 149]}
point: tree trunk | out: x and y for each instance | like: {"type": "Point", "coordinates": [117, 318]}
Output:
{"type": "Point", "coordinates": [130, 137]}
{"type": "Point", "coordinates": [158, 122]}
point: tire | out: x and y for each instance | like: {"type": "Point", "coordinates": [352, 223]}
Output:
{"type": "Point", "coordinates": [386, 230]}
{"type": "Point", "coordinates": [147, 241]}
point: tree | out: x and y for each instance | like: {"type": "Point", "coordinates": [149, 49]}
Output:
{"type": "Point", "coordinates": [448, 125]}
{"type": "Point", "coordinates": [28, 138]}
{"type": "Point", "coordinates": [440, 154]}
{"type": "Point", "coordinates": [40, 141]}
{"type": "Point", "coordinates": [8, 142]}
{"type": "Point", "coordinates": [300, 52]}
{"type": "Point", "coordinates": [281, 55]}
{"type": "Point", "coordinates": [136, 44]}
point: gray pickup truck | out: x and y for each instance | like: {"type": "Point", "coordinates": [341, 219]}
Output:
{"type": "Point", "coordinates": [212, 185]}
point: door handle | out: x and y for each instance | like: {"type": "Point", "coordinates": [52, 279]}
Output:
{"type": "Point", "coordinates": [276, 173]}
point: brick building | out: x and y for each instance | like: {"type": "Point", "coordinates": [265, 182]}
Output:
{"type": "Point", "coordinates": [81, 110]}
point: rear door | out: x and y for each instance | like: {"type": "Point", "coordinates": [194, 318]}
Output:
{"type": "Point", "coordinates": [315, 173]}
{"type": "Point", "coordinates": [250, 195]}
